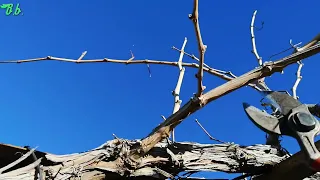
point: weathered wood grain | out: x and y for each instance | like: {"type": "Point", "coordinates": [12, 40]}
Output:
{"type": "Point", "coordinates": [112, 160]}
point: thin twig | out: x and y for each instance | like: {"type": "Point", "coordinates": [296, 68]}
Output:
{"type": "Point", "coordinates": [254, 47]}
{"type": "Point", "coordinates": [260, 82]}
{"type": "Point", "coordinates": [202, 48]}
{"type": "Point", "coordinates": [229, 73]}
{"type": "Point", "coordinates": [212, 138]}
{"type": "Point", "coordinates": [299, 77]}
{"type": "Point", "coordinates": [192, 56]}
{"type": "Point", "coordinates": [176, 92]}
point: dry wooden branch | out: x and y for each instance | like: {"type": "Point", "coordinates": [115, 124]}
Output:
{"type": "Point", "coordinates": [110, 161]}
{"type": "Point", "coordinates": [221, 74]}
{"type": "Point", "coordinates": [299, 77]}
{"type": "Point", "coordinates": [257, 85]}
{"type": "Point", "coordinates": [195, 104]}
{"type": "Point", "coordinates": [260, 82]}
{"type": "Point", "coordinates": [176, 91]}
{"type": "Point", "coordinates": [264, 71]}
{"type": "Point", "coordinates": [202, 48]}
{"type": "Point", "coordinates": [314, 41]}
{"type": "Point", "coordinates": [107, 60]}
{"type": "Point", "coordinates": [254, 47]}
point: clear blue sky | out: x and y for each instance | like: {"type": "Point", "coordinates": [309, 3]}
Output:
{"type": "Point", "coordinates": [65, 108]}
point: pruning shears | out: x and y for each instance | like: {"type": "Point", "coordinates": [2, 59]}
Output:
{"type": "Point", "coordinates": [293, 119]}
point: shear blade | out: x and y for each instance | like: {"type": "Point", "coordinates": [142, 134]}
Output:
{"type": "Point", "coordinates": [285, 101]}
{"type": "Point", "coordinates": [263, 120]}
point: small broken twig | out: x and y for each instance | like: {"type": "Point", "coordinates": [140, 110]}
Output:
{"type": "Point", "coordinates": [202, 48]}
{"type": "Point", "coordinates": [212, 138]}
{"type": "Point", "coordinates": [299, 77]}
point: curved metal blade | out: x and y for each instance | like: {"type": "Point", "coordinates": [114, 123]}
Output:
{"type": "Point", "coordinates": [263, 120]}
{"type": "Point", "coordinates": [284, 101]}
